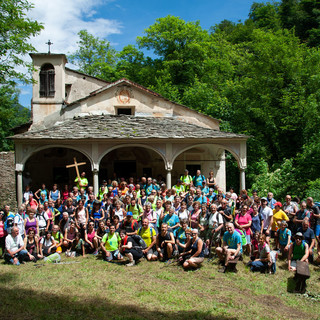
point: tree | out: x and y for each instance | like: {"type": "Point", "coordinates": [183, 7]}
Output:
{"type": "Point", "coordinates": [95, 57]}
{"type": "Point", "coordinates": [12, 114]}
{"type": "Point", "coordinates": [15, 32]}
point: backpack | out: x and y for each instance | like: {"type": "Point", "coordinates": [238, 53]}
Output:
{"type": "Point", "coordinates": [243, 237]}
{"type": "Point", "coordinates": [9, 223]}
{"type": "Point", "coordinates": [150, 229]}
{"type": "Point", "coordinates": [139, 241]}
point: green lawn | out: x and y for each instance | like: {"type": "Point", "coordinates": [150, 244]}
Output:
{"type": "Point", "coordinates": [94, 289]}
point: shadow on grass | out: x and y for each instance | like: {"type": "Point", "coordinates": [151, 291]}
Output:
{"type": "Point", "coordinates": [32, 304]}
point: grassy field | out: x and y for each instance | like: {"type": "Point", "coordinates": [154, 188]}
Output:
{"type": "Point", "coordinates": [94, 289]}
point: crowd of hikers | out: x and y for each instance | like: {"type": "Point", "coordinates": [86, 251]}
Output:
{"type": "Point", "coordinates": [134, 219]}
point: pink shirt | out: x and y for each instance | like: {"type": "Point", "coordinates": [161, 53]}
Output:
{"type": "Point", "coordinates": [242, 220]}
{"type": "Point", "coordinates": [2, 231]}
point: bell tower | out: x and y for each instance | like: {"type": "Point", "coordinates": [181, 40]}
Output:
{"type": "Point", "coordinates": [48, 92]}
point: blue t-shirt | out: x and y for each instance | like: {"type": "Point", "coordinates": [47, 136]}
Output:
{"type": "Point", "coordinates": [171, 221]}
{"type": "Point", "coordinates": [201, 199]}
{"type": "Point", "coordinates": [283, 236]}
{"type": "Point", "coordinates": [256, 223]}
{"type": "Point", "coordinates": [197, 180]}
{"type": "Point", "coordinates": [232, 240]}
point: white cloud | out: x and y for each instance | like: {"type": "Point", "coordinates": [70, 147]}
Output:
{"type": "Point", "coordinates": [63, 19]}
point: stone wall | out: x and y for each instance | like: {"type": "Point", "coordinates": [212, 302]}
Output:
{"type": "Point", "coordinates": [7, 180]}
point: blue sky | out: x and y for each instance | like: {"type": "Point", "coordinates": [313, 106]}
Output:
{"type": "Point", "coordinates": [119, 21]}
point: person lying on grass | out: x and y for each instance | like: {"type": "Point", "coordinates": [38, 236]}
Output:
{"type": "Point", "coordinates": [231, 247]}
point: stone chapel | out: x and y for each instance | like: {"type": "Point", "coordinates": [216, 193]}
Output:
{"type": "Point", "coordinates": [116, 127]}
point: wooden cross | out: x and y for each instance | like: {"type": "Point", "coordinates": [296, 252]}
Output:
{"type": "Point", "coordinates": [76, 164]}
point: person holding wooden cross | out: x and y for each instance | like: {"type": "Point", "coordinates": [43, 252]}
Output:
{"type": "Point", "coordinates": [82, 181]}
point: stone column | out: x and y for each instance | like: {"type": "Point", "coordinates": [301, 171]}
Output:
{"type": "Point", "coordinates": [95, 181]}
{"type": "Point", "coordinates": [242, 179]}
{"type": "Point", "coordinates": [19, 188]}
{"type": "Point", "coordinates": [168, 179]}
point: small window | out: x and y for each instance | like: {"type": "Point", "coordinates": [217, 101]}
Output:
{"type": "Point", "coordinates": [47, 80]}
{"type": "Point", "coordinates": [126, 111]}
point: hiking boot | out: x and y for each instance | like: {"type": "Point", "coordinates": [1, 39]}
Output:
{"type": "Point", "coordinates": [131, 264]}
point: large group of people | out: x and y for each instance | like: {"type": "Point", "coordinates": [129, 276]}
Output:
{"type": "Point", "coordinates": [141, 218]}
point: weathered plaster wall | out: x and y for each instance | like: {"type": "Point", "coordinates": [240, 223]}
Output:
{"type": "Point", "coordinates": [7, 180]}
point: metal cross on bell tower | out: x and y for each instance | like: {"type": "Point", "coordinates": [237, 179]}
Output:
{"type": "Point", "coordinates": [49, 43]}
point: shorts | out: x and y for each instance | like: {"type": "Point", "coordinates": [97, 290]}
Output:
{"type": "Point", "coordinates": [274, 234]}
{"type": "Point", "coordinates": [197, 260]}
{"type": "Point", "coordinates": [151, 251]}
{"type": "Point", "coordinates": [264, 232]}
{"type": "Point", "coordinates": [317, 230]}
{"type": "Point", "coordinates": [113, 256]}
{"type": "Point", "coordinates": [248, 238]}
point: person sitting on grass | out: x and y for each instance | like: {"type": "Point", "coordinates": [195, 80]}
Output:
{"type": "Point", "coordinates": [194, 247]}
{"type": "Point", "coordinates": [15, 250]}
{"type": "Point", "coordinates": [130, 248]}
{"type": "Point", "coordinates": [299, 250]}
{"type": "Point", "coordinates": [165, 243]}
{"type": "Point", "coordinates": [262, 263]}
{"type": "Point", "coordinates": [231, 247]}
{"type": "Point", "coordinates": [58, 237]}
{"type": "Point", "coordinates": [47, 245]}
{"type": "Point", "coordinates": [91, 241]}
{"type": "Point", "coordinates": [77, 247]}
{"type": "Point", "coordinates": [148, 234]}
{"type": "Point", "coordinates": [32, 245]}
{"type": "Point", "coordinates": [69, 235]}
{"type": "Point", "coordinates": [284, 239]}
{"type": "Point", "coordinates": [110, 245]}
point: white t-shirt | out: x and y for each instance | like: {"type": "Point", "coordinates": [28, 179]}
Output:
{"type": "Point", "coordinates": [266, 214]}
{"type": "Point", "coordinates": [47, 242]}
{"type": "Point", "coordinates": [14, 244]}
{"type": "Point", "coordinates": [215, 219]}
{"type": "Point", "coordinates": [183, 214]}
{"type": "Point", "coordinates": [19, 222]}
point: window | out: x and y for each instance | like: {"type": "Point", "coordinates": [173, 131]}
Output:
{"type": "Point", "coordinates": [126, 111]}
{"type": "Point", "coordinates": [47, 80]}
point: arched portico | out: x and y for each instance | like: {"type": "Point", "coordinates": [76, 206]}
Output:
{"type": "Point", "coordinates": [47, 164]}
{"type": "Point", "coordinates": [211, 156]}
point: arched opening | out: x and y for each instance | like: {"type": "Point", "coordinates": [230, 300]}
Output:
{"type": "Point", "coordinates": [49, 166]}
{"type": "Point", "coordinates": [47, 80]}
{"type": "Point", "coordinates": [207, 157]}
{"type": "Point", "coordinates": [134, 161]}
{"type": "Point", "coordinates": [232, 172]}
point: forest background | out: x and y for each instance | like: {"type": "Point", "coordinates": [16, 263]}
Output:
{"type": "Point", "coordinates": [260, 77]}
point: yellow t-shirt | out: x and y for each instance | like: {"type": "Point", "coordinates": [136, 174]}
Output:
{"type": "Point", "coordinates": [277, 218]}
{"type": "Point", "coordinates": [147, 235]}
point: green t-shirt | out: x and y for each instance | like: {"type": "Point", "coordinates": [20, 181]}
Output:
{"type": "Point", "coordinates": [111, 243]}
{"type": "Point", "coordinates": [136, 211]}
{"type": "Point", "coordinates": [84, 181]}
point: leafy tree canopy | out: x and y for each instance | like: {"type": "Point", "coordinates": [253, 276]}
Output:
{"type": "Point", "coordinates": [15, 32]}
